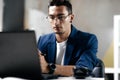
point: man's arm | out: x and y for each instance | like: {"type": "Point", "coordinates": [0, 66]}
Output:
{"type": "Point", "coordinates": [60, 70]}
{"type": "Point", "coordinates": [64, 70]}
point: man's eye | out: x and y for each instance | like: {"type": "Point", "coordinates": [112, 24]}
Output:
{"type": "Point", "coordinates": [51, 17]}
{"type": "Point", "coordinates": [60, 17]}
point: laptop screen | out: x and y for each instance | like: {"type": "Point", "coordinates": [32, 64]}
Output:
{"type": "Point", "coordinates": [19, 55]}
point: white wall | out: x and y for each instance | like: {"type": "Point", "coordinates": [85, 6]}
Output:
{"type": "Point", "coordinates": [94, 16]}
{"type": "Point", "coordinates": [35, 16]}
{"type": "Point", "coordinates": [1, 14]}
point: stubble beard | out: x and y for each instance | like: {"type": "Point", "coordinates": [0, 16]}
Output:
{"type": "Point", "coordinates": [59, 33]}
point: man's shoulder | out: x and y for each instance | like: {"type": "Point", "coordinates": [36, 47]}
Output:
{"type": "Point", "coordinates": [83, 34]}
{"type": "Point", "coordinates": [86, 33]}
{"type": "Point", "coordinates": [85, 38]}
{"type": "Point", "coordinates": [47, 36]}
{"type": "Point", "coordinates": [80, 35]}
{"type": "Point", "coordinates": [78, 32]}
{"type": "Point", "coordinates": [45, 39]}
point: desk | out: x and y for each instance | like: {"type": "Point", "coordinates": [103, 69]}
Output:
{"type": "Point", "coordinates": [12, 78]}
{"type": "Point", "coordinates": [72, 78]}
{"type": "Point", "coordinates": [60, 78]}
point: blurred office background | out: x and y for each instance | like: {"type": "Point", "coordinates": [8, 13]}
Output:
{"type": "Point", "coordinates": [94, 16]}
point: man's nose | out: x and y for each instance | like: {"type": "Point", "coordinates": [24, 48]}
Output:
{"type": "Point", "coordinates": [56, 21]}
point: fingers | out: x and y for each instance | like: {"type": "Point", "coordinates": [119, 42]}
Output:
{"type": "Point", "coordinates": [40, 53]}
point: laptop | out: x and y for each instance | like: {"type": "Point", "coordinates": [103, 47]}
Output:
{"type": "Point", "coordinates": [19, 55]}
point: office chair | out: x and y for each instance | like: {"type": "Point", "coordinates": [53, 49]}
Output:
{"type": "Point", "coordinates": [99, 70]}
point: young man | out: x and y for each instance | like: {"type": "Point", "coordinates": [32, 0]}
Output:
{"type": "Point", "coordinates": [66, 47]}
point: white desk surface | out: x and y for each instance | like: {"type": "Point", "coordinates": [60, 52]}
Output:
{"type": "Point", "coordinates": [72, 78]}
{"type": "Point", "coordinates": [60, 78]}
{"type": "Point", "coordinates": [11, 78]}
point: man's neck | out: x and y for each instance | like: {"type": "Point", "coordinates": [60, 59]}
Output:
{"type": "Point", "coordinates": [62, 37]}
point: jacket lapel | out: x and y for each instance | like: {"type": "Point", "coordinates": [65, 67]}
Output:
{"type": "Point", "coordinates": [70, 45]}
{"type": "Point", "coordinates": [52, 49]}
{"type": "Point", "coordinates": [68, 54]}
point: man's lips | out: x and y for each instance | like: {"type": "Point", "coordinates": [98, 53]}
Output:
{"type": "Point", "coordinates": [56, 27]}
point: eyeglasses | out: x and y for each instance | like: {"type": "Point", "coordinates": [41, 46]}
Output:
{"type": "Point", "coordinates": [59, 17]}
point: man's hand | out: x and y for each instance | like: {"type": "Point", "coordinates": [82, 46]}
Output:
{"type": "Point", "coordinates": [43, 63]}
{"type": "Point", "coordinates": [60, 70]}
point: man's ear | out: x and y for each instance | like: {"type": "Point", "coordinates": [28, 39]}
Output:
{"type": "Point", "coordinates": [72, 17]}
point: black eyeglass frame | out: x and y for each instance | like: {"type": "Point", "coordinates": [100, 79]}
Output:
{"type": "Point", "coordinates": [59, 17]}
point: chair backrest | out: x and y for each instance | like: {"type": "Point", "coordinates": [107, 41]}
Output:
{"type": "Point", "coordinates": [99, 70]}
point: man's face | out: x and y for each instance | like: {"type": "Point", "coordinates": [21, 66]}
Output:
{"type": "Point", "coordinates": [60, 19]}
